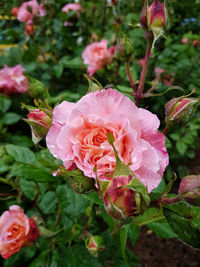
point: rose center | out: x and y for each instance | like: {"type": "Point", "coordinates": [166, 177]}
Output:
{"type": "Point", "coordinates": [14, 230]}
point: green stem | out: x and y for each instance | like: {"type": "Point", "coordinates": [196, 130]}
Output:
{"type": "Point", "coordinates": [6, 181]}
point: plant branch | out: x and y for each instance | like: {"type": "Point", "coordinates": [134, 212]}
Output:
{"type": "Point", "coordinates": [130, 77]}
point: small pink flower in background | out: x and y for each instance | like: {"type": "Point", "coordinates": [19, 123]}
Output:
{"type": "Point", "coordinates": [184, 40]}
{"type": "Point", "coordinates": [29, 29]}
{"type": "Point", "coordinates": [12, 80]}
{"type": "Point", "coordinates": [97, 55]}
{"type": "Point", "coordinates": [28, 10]}
{"type": "Point", "coordinates": [79, 135]}
{"type": "Point", "coordinates": [15, 230]}
{"type": "Point", "coordinates": [166, 78]}
{"type": "Point", "coordinates": [74, 7]}
{"type": "Point", "coordinates": [141, 62]}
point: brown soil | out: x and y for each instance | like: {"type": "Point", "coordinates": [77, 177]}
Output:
{"type": "Point", "coordinates": [154, 251]}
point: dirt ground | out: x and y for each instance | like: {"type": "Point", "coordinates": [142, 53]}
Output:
{"type": "Point", "coordinates": [154, 251]}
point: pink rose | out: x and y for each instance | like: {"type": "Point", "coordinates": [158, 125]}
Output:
{"type": "Point", "coordinates": [75, 7]}
{"type": "Point", "coordinates": [30, 9]}
{"type": "Point", "coordinates": [79, 135]}
{"type": "Point", "coordinates": [15, 230]}
{"type": "Point", "coordinates": [184, 40]}
{"type": "Point", "coordinates": [12, 80]}
{"type": "Point", "coordinates": [97, 55]}
{"type": "Point", "coordinates": [166, 78]}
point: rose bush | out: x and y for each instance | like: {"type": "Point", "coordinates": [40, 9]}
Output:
{"type": "Point", "coordinates": [79, 135]}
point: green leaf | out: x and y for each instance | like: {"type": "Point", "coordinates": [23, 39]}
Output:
{"type": "Point", "coordinates": [30, 172]}
{"type": "Point", "coordinates": [74, 63]}
{"type": "Point", "coordinates": [150, 215]}
{"type": "Point", "coordinates": [93, 197]}
{"type": "Point", "coordinates": [162, 229]}
{"type": "Point", "coordinates": [180, 216]}
{"type": "Point", "coordinates": [5, 103]}
{"type": "Point", "coordinates": [72, 204]}
{"type": "Point", "coordinates": [10, 118]}
{"type": "Point", "coordinates": [58, 70]}
{"type": "Point", "coordinates": [41, 260]}
{"type": "Point", "coordinates": [48, 203]}
{"type": "Point", "coordinates": [28, 188]}
{"type": "Point", "coordinates": [133, 232]}
{"type": "Point", "coordinates": [123, 233]}
{"type": "Point", "coordinates": [181, 147]}
{"type": "Point", "coordinates": [20, 153]}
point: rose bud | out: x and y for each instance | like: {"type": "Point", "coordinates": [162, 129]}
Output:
{"type": "Point", "coordinates": [120, 201]}
{"type": "Point", "coordinates": [36, 89]}
{"type": "Point", "coordinates": [40, 123]}
{"type": "Point", "coordinates": [143, 16]}
{"type": "Point", "coordinates": [94, 244]}
{"type": "Point", "coordinates": [16, 231]}
{"type": "Point", "coordinates": [14, 11]}
{"type": "Point", "coordinates": [189, 189]}
{"type": "Point", "coordinates": [184, 40]}
{"type": "Point", "coordinates": [29, 29]}
{"type": "Point", "coordinates": [124, 48]}
{"type": "Point", "coordinates": [195, 43]}
{"type": "Point", "coordinates": [179, 110]}
{"type": "Point", "coordinates": [156, 15]}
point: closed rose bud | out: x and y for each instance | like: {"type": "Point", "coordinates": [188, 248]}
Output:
{"type": "Point", "coordinates": [14, 11]}
{"type": "Point", "coordinates": [179, 110]}
{"type": "Point", "coordinates": [124, 48]}
{"type": "Point", "coordinates": [184, 40]}
{"type": "Point", "coordinates": [29, 29]}
{"type": "Point", "coordinates": [196, 43]}
{"type": "Point", "coordinates": [120, 201]}
{"type": "Point", "coordinates": [189, 189]}
{"type": "Point", "coordinates": [143, 16]}
{"type": "Point", "coordinates": [40, 123]}
{"type": "Point", "coordinates": [156, 15]}
{"type": "Point", "coordinates": [94, 244]}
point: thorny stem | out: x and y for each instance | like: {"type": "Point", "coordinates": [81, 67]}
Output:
{"type": "Point", "coordinates": [165, 130]}
{"type": "Point", "coordinates": [130, 77]}
{"type": "Point", "coordinates": [166, 200]}
{"type": "Point", "coordinates": [144, 72]}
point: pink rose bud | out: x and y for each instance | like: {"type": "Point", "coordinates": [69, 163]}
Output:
{"type": "Point", "coordinates": [124, 48]}
{"type": "Point", "coordinates": [120, 201]}
{"type": "Point", "coordinates": [97, 55]}
{"type": "Point", "coordinates": [94, 244]}
{"type": "Point", "coordinates": [14, 11]}
{"type": "Point", "coordinates": [40, 123]}
{"type": "Point", "coordinates": [12, 80]}
{"type": "Point", "coordinates": [16, 229]}
{"type": "Point", "coordinates": [179, 110]}
{"type": "Point", "coordinates": [189, 189]}
{"type": "Point", "coordinates": [156, 15]}
{"type": "Point", "coordinates": [184, 40]}
{"type": "Point", "coordinates": [143, 16]}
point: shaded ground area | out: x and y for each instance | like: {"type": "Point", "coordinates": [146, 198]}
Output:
{"type": "Point", "coordinates": [154, 251]}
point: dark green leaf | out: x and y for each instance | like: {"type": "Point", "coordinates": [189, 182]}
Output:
{"type": "Point", "coordinates": [20, 153]}
{"type": "Point", "coordinates": [10, 118]}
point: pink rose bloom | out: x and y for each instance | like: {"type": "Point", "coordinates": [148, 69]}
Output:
{"type": "Point", "coordinates": [74, 7]}
{"type": "Point", "coordinates": [12, 80]}
{"type": "Point", "coordinates": [97, 55]}
{"type": "Point", "coordinates": [79, 135]}
{"type": "Point", "coordinates": [15, 230]}
{"type": "Point", "coordinates": [184, 40]}
{"type": "Point", "coordinates": [30, 9]}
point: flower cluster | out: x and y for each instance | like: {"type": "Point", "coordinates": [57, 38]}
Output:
{"type": "Point", "coordinates": [16, 230]}
{"type": "Point", "coordinates": [97, 55]}
{"type": "Point", "coordinates": [12, 80]}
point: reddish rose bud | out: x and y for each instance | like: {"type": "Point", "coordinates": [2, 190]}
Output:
{"type": "Point", "coordinates": [196, 43]}
{"type": "Point", "coordinates": [184, 40]}
{"type": "Point", "coordinates": [40, 123]}
{"type": "Point", "coordinates": [33, 232]}
{"type": "Point", "coordinates": [94, 244]}
{"type": "Point", "coordinates": [179, 110]}
{"type": "Point", "coordinates": [14, 11]}
{"type": "Point", "coordinates": [120, 201]}
{"type": "Point", "coordinates": [143, 16]}
{"type": "Point", "coordinates": [29, 29]}
{"type": "Point", "coordinates": [189, 189]}
{"type": "Point", "coordinates": [156, 15]}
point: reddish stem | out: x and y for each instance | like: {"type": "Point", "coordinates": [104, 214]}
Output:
{"type": "Point", "coordinates": [165, 201]}
{"type": "Point", "coordinates": [130, 77]}
{"type": "Point", "coordinates": [143, 73]}
{"type": "Point", "coordinates": [165, 130]}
